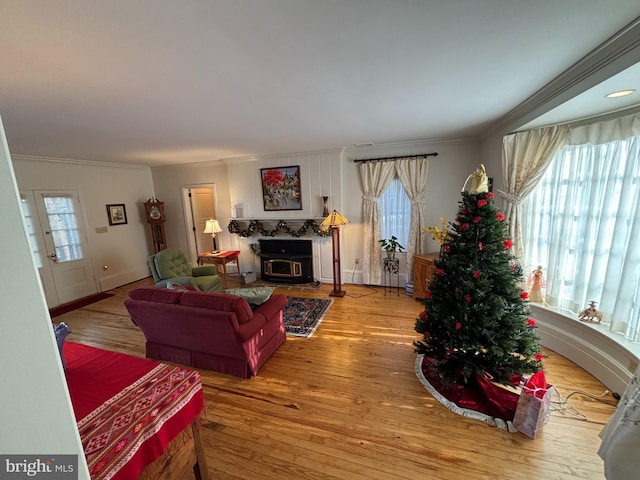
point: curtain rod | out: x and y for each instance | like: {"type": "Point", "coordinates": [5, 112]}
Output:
{"type": "Point", "coordinates": [388, 159]}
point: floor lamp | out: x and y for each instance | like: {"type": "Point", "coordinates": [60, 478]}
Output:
{"type": "Point", "coordinates": [212, 226]}
{"type": "Point", "coordinates": [333, 221]}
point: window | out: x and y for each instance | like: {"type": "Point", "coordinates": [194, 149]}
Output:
{"type": "Point", "coordinates": [395, 212]}
{"type": "Point", "coordinates": [64, 227]}
{"type": "Point", "coordinates": [581, 223]}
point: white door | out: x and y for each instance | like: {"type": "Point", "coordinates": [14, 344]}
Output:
{"type": "Point", "coordinates": [61, 249]}
{"type": "Point", "coordinates": [200, 206]}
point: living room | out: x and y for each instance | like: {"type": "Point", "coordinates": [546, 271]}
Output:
{"type": "Point", "coordinates": [119, 254]}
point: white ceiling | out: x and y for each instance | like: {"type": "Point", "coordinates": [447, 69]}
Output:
{"type": "Point", "coordinates": [155, 82]}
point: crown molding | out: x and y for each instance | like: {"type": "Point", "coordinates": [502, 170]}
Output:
{"type": "Point", "coordinates": [617, 53]}
{"type": "Point", "coordinates": [71, 161]}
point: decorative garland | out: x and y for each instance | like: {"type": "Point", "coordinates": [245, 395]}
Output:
{"type": "Point", "coordinates": [255, 226]}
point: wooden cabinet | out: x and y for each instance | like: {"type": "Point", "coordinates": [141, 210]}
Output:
{"type": "Point", "coordinates": [423, 270]}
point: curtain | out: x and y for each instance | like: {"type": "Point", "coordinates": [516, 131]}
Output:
{"type": "Point", "coordinates": [375, 177]}
{"type": "Point", "coordinates": [525, 156]}
{"type": "Point", "coordinates": [413, 175]}
{"type": "Point", "coordinates": [583, 222]}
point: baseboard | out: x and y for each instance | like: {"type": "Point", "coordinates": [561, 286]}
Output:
{"type": "Point", "coordinates": [115, 281]}
{"type": "Point", "coordinates": [606, 356]}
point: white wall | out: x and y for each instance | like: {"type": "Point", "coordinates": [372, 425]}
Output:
{"type": "Point", "coordinates": [328, 173]}
{"type": "Point", "coordinates": [168, 182]}
{"type": "Point", "coordinates": [36, 414]}
{"type": "Point", "coordinates": [124, 248]}
{"type": "Point", "coordinates": [447, 173]}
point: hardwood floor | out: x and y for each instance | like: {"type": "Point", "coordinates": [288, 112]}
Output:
{"type": "Point", "coordinates": [346, 404]}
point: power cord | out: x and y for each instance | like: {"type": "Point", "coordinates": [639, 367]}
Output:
{"type": "Point", "coordinates": [563, 406]}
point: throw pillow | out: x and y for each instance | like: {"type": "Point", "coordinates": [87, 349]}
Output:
{"type": "Point", "coordinates": [61, 331]}
{"type": "Point", "coordinates": [254, 296]}
{"type": "Point", "coordinates": [179, 286]}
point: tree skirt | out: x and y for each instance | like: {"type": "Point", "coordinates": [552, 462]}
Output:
{"type": "Point", "coordinates": [480, 399]}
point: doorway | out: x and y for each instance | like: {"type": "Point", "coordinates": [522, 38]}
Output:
{"type": "Point", "coordinates": [59, 244]}
{"type": "Point", "coordinates": [199, 206]}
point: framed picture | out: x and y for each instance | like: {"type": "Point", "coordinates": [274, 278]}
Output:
{"type": "Point", "coordinates": [281, 188]}
{"type": "Point", "coordinates": [117, 214]}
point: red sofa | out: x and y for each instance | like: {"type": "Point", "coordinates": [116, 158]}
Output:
{"type": "Point", "coordinates": [209, 330]}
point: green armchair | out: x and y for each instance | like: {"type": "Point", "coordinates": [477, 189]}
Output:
{"type": "Point", "coordinates": [172, 266]}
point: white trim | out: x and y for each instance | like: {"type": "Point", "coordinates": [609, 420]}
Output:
{"type": "Point", "coordinates": [608, 356]}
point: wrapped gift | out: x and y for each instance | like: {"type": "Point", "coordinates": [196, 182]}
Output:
{"type": "Point", "coordinates": [532, 411]}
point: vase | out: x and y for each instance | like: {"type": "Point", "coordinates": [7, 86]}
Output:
{"type": "Point", "coordinates": [325, 211]}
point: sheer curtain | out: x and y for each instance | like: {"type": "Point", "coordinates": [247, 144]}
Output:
{"type": "Point", "coordinates": [375, 177]}
{"type": "Point", "coordinates": [583, 223]}
{"type": "Point", "coordinates": [413, 175]}
{"type": "Point", "coordinates": [525, 156]}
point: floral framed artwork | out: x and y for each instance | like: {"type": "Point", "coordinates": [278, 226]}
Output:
{"type": "Point", "coordinates": [117, 214]}
{"type": "Point", "coordinates": [281, 188]}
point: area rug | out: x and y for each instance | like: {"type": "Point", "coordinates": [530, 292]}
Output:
{"type": "Point", "coordinates": [303, 315]}
{"type": "Point", "coordinates": [82, 302]}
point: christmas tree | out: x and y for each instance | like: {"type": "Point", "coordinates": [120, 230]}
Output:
{"type": "Point", "coordinates": [476, 317]}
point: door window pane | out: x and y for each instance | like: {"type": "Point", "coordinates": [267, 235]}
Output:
{"type": "Point", "coordinates": [64, 227]}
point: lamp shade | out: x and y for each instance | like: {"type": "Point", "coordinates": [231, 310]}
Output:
{"type": "Point", "coordinates": [334, 219]}
{"type": "Point", "coordinates": [212, 226]}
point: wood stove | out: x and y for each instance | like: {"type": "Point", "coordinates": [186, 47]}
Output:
{"type": "Point", "coordinates": [287, 261]}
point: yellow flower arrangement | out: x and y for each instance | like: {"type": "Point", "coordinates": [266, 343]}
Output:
{"type": "Point", "coordinates": [439, 234]}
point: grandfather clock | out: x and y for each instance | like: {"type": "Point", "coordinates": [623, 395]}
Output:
{"type": "Point", "coordinates": [154, 210]}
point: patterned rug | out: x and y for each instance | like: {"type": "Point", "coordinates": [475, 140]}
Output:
{"type": "Point", "coordinates": [303, 315]}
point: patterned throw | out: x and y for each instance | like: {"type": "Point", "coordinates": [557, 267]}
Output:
{"type": "Point", "coordinates": [125, 432]}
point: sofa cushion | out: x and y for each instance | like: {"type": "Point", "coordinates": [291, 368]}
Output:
{"type": "Point", "coordinates": [255, 296]}
{"type": "Point", "coordinates": [156, 294]}
{"type": "Point", "coordinates": [218, 301]}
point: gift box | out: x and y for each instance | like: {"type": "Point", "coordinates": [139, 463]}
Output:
{"type": "Point", "coordinates": [248, 277]}
{"type": "Point", "coordinates": [532, 411]}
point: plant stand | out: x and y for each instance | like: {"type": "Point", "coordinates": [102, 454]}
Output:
{"type": "Point", "coordinates": [391, 267]}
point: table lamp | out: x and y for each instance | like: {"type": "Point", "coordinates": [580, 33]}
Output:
{"type": "Point", "coordinates": [212, 226]}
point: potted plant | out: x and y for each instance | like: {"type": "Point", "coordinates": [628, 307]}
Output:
{"type": "Point", "coordinates": [391, 245]}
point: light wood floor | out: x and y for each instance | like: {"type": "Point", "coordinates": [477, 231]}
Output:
{"type": "Point", "coordinates": [346, 404]}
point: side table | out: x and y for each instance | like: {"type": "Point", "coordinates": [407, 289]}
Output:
{"type": "Point", "coordinates": [221, 258]}
{"type": "Point", "coordinates": [390, 267]}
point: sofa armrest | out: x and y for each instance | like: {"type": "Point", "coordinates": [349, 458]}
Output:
{"type": "Point", "coordinates": [204, 270]}
{"type": "Point", "coordinates": [272, 306]}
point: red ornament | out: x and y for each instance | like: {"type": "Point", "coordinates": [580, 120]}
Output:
{"type": "Point", "coordinates": [422, 315]}
{"type": "Point", "coordinates": [446, 248]}
{"type": "Point", "coordinates": [476, 273]}
{"type": "Point", "coordinates": [538, 357]}
{"type": "Point", "coordinates": [440, 272]}
{"type": "Point", "coordinates": [490, 195]}
{"type": "Point", "coordinates": [427, 294]}
{"type": "Point", "coordinates": [479, 245]}
{"type": "Point", "coordinates": [481, 203]}
{"type": "Point", "coordinates": [467, 299]}
{"type": "Point", "coordinates": [458, 325]}
{"type": "Point", "coordinates": [464, 227]}
{"type": "Point", "coordinates": [524, 295]}
{"type": "Point", "coordinates": [500, 216]}
{"type": "Point", "coordinates": [531, 322]}
{"type": "Point", "coordinates": [477, 220]}
{"type": "Point", "coordinates": [507, 243]}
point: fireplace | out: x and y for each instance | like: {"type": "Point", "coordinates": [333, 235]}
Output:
{"type": "Point", "coordinates": [287, 261]}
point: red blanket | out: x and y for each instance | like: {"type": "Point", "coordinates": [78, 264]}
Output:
{"type": "Point", "coordinates": [128, 409]}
